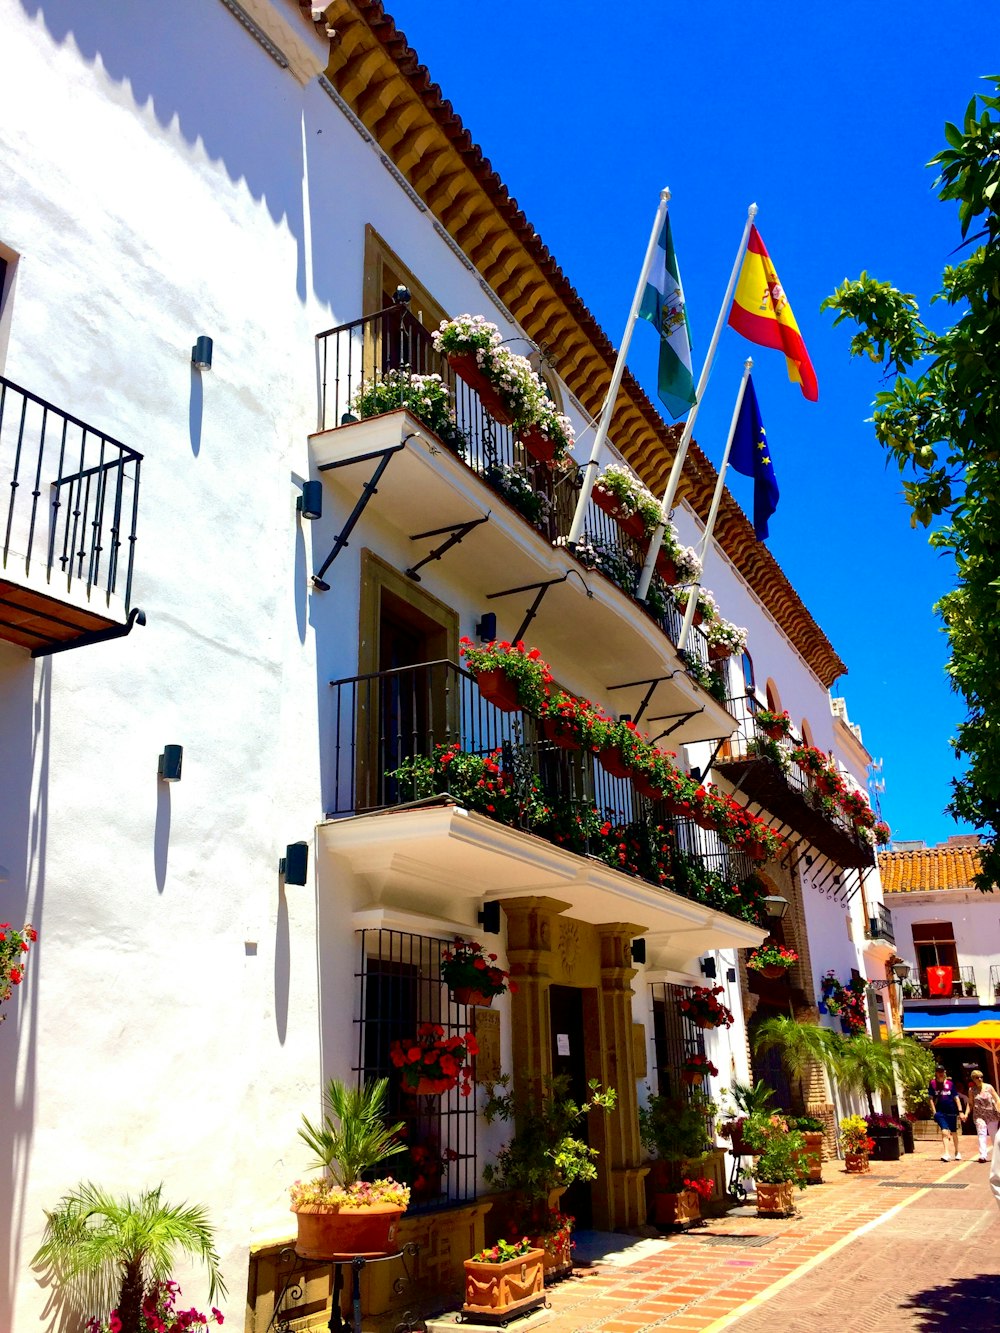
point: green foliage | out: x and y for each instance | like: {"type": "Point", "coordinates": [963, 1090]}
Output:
{"type": "Point", "coordinates": [675, 1128]}
{"type": "Point", "coordinates": [353, 1136]}
{"type": "Point", "coordinates": [800, 1045]}
{"type": "Point", "coordinates": [939, 423]}
{"type": "Point", "coordinates": [752, 1098]}
{"type": "Point", "coordinates": [544, 1152]}
{"type": "Point", "coordinates": [781, 1150]}
{"type": "Point", "coordinates": [103, 1252]}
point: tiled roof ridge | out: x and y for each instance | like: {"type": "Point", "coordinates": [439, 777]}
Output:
{"type": "Point", "coordinates": [926, 869]}
{"type": "Point", "coordinates": [635, 414]}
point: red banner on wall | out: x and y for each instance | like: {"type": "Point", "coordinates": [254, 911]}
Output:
{"type": "Point", "coordinates": [939, 980]}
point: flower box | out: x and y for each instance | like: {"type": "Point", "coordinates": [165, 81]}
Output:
{"type": "Point", "coordinates": [326, 1233]}
{"type": "Point", "coordinates": [498, 689]}
{"type": "Point", "coordinates": [613, 761]}
{"type": "Point", "coordinates": [665, 567]}
{"type": "Point", "coordinates": [718, 652]}
{"type": "Point", "coordinates": [856, 1163]}
{"type": "Point", "coordinates": [497, 1292]}
{"type": "Point", "coordinates": [646, 788]}
{"type": "Point", "coordinates": [466, 365]}
{"type": "Point", "coordinates": [776, 1199]}
{"type": "Point", "coordinates": [538, 444]}
{"type": "Point", "coordinates": [559, 733]}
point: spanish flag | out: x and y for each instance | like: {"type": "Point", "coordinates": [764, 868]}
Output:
{"type": "Point", "coordinates": [762, 314]}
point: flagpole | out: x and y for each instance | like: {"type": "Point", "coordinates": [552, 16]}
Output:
{"type": "Point", "coordinates": [590, 467]}
{"type": "Point", "coordinates": [673, 482]}
{"type": "Point", "coordinates": [713, 512]}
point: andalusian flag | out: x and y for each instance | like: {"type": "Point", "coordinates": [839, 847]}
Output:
{"type": "Point", "coordinates": [761, 313]}
{"type": "Point", "coordinates": [663, 305]}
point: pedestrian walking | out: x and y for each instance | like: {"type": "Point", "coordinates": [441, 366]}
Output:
{"type": "Point", "coordinates": [985, 1111]}
{"type": "Point", "coordinates": [947, 1105]}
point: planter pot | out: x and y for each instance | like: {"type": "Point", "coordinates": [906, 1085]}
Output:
{"type": "Point", "coordinates": [674, 1210]}
{"type": "Point", "coordinates": [692, 1077]}
{"type": "Point", "coordinates": [856, 1163]}
{"type": "Point", "coordinates": [679, 809]}
{"type": "Point", "coordinates": [665, 567]}
{"type": "Point", "coordinates": [773, 733]}
{"type": "Point", "coordinates": [907, 1136]}
{"type": "Point", "coordinates": [613, 761]}
{"type": "Point", "coordinates": [497, 687]}
{"type": "Point", "coordinates": [430, 1087]}
{"type": "Point", "coordinates": [706, 1023]}
{"type": "Point", "coordinates": [608, 503]}
{"type": "Point", "coordinates": [326, 1233]}
{"type": "Point", "coordinates": [556, 731]}
{"type": "Point", "coordinates": [538, 445]}
{"type": "Point", "coordinates": [758, 854]}
{"type": "Point", "coordinates": [718, 653]}
{"type": "Point", "coordinates": [814, 1155]}
{"type": "Point", "coordinates": [775, 1198]}
{"type": "Point", "coordinates": [888, 1145]}
{"type": "Point", "coordinates": [503, 1290]}
{"type": "Point", "coordinates": [702, 819]}
{"type": "Point", "coordinates": [466, 365]}
{"type": "Point", "coordinates": [558, 1258]}
{"type": "Point", "coordinates": [469, 995]}
{"type": "Point", "coordinates": [646, 788]}
{"type": "Point", "coordinates": [772, 971]}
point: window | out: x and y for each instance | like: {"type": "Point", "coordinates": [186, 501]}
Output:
{"type": "Point", "coordinates": [404, 336]}
{"type": "Point", "coordinates": [807, 736]}
{"type": "Point", "coordinates": [934, 946]}
{"type": "Point", "coordinates": [773, 697]}
{"type": "Point", "coordinates": [748, 676]}
{"type": "Point", "coordinates": [675, 1039]}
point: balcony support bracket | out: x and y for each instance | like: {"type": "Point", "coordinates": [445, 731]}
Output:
{"type": "Point", "coordinates": [367, 491]}
{"type": "Point", "coordinates": [540, 589]}
{"type": "Point", "coordinates": [651, 686]}
{"type": "Point", "coordinates": [457, 532]}
{"type": "Point", "coordinates": [135, 617]}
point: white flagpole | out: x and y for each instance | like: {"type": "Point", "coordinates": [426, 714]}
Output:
{"type": "Point", "coordinates": [670, 494]}
{"type": "Point", "coordinates": [713, 512]}
{"type": "Point", "coordinates": [604, 422]}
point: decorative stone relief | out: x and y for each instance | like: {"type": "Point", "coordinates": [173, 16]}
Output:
{"type": "Point", "coordinates": [569, 944]}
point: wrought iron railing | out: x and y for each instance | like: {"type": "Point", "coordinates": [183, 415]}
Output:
{"type": "Point", "coordinates": [357, 355]}
{"type": "Point", "coordinates": [963, 985]}
{"type": "Point", "coordinates": [994, 981]}
{"type": "Point", "coordinates": [880, 924]}
{"type": "Point", "coordinates": [392, 718]}
{"type": "Point", "coordinates": [73, 497]}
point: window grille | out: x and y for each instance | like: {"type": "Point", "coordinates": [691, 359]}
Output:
{"type": "Point", "coordinates": [398, 987]}
{"type": "Point", "coordinates": [675, 1039]}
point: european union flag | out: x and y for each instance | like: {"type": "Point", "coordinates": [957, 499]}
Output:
{"type": "Point", "coordinates": [751, 456]}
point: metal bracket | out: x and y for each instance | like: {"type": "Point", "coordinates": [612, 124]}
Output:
{"type": "Point", "coordinates": [542, 589]}
{"type": "Point", "coordinates": [135, 617]}
{"type": "Point", "coordinates": [652, 683]}
{"type": "Point", "coordinates": [458, 532]}
{"type": "Point", "coordinates": [367, 491]}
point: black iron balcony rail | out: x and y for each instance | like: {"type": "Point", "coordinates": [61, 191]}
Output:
{"type": "Point", "coordinates": [995, 982]}
{"type": "Point", "coordinates": [767, 774]}
{"type": "Point", "coordinates": [395, 720]}
{"type": "Point", "coordinates": [880, 924]}
{"type": "Point", "coordinates": [73, 497]}
{"type": "Point", "coordinates": [355, 356]}
{"type": "Point", "coordinates": [963, 985]}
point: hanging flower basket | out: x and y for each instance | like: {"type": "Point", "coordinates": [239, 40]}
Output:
{"type": "Point", "coordinates": [773, 972]}
{"type": "Point", "coordinates": [473, 975]}
{"type": "Point", "coordinates": [538, 444]}
{"type": "Point", "coordinates": [431, 1063]}
{"type": "Point", "coordinates": [497, 688]}
{"type": "Point", "coordinates": [464, 364]}
{"type": "Point", "coordinates": [607, 502]}
{"type": "Point", "coordinates": [466, 995]}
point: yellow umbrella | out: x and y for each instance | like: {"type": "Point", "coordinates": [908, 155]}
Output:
{"type": "Point", "coordinates": [985, 1033]}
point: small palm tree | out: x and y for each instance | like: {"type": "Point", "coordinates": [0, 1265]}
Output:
{"type": "Point", "coordinates": [802, 1046]}
{"type": "Point", "coordinates": [864, 1065]}
{"type": "Point", "coordinates": [100, 1249]}
{"type": "Point", "coordinates": [360, 1139]}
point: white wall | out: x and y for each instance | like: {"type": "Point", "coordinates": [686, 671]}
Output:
{"type": "Point", "coordinates": [974, 917]}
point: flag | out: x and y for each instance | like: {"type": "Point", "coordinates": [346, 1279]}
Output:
{"type": "Point", "coordinates": [761, 312]}
{"type": "Point", "coordinates": [751, 456]}
{"type": "Point", "coordinates": [663, 305]}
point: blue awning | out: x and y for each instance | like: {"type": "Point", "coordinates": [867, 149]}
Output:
{"type": "Point", "coordinates": [944, 1020]}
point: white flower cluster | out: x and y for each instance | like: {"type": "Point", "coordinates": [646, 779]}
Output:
{"type": "Point", "coordinates": [686, 562]}
{"type": "Point", "coordinates": [724, 634]}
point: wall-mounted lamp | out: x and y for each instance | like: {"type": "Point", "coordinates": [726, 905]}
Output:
{"type": "Point", "coordinates": [638, 951]}
{"type": "Point", "coordinates": [808, 860]}
{"type": "Point", "coordinates": [169, 766]}
{"type": "Point", "coordinates": [201, 353]}
{"type": "Point", "coordinates": [294, 865]}
{"type": "Point", "coordinates": [707, 966]}
{"type": "Point", "coordinates": [486, 627]}
{"type": "Point", "coordinates": [695, 774]}
{"type": "Point", "coordinates": [489, 918]}
{"type": "Point", "coordinates": [775, 906]}
{"type": "Point", "coordinates": [401, 295]}
{"type": "Point", "coordinates": [310, 502]}
{"type": "Point", "coordinates": [730, 974]}
{"type": "Point", "coordinates": [900, 970]}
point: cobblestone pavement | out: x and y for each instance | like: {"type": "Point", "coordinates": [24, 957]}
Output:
{"type": "Point", "coordinates": [881, 1251]}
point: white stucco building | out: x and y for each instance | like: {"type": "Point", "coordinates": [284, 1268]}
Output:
{"type": "Point", "coordinates": [223, 171]}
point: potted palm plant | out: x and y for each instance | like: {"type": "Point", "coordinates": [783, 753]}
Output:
{"type": "Point", "coordinates": [340, 1212]}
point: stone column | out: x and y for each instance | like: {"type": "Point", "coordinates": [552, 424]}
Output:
{"type": "Point", "coordinates": [531, 934]}
{"type": "Point", "coordinates": [620, 1202]}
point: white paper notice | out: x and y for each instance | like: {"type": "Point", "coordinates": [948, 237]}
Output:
{"type": "Point", "coordinates": [562, 1043]}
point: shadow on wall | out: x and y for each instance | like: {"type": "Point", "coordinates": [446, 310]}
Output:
{"type": "Point", "coordinates": [25, 704]}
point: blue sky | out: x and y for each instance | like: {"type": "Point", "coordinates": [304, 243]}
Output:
{"type": "Point", "coordinates": [825, 117]}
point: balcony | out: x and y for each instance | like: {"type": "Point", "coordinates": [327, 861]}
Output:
{"type": "Point", "coordinates": [763, 771]}
{"type": "Point", "coordinates": [880, 925]}
{"type": "Point", "coordinates": [548, 821]}
{"type": "Point", "coordinates": [510, 515]}
{"type": "Point", "coordinates": [963, 988]}
{"type": "Point", "coordinates": [65, 580]}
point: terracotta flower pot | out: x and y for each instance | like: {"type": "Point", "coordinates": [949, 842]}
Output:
{"type": "Point", "coordinates": [772, 732]}
{"type": "Point", "coordinates": [703, 819]}
{"type": "Point", "coordinates": [510, 1288]}
{"type": "Point", "coordinates": [538, 444]}
{"type": "Point", "coordinates": [465, 364]}
{"type": "Point", "coordinates": [668, 1209]}
{"type": "Point", "coordinates": [469, 995]}
{"type": "Point", "coordinates": [665, 567]}
{"type": "Point", "coordinates": [613, 761]}
{"type": "Point", "coordinates": [773, 971]}
{"type": "Point", "coordinates": [701, 1022]}
{"type": "Point", "coordinates": [775, 1198]}
{"type": "Point", "coordinates": [692, 1077]}
{"type": "Point", "coordinates": [646, 788]}
{"type": "Point", "coordinates": [856, 1163]}
{"type": "Point", "coordinates": [431, 1087]}
{"type": "Point", "coordinates": [814, 1155]}
{"type": "Point", "coordinates": [497, 688]}
{"type": "Point", "coordinates": [325, 1233]}
{"type": "Point", "coordinates": [756, 852]}
{"type": "Point", "coordinates": [607, 502]}
{"type": "Point", "coordinates": [558, 1260]}
{"type": "Point", "coordinates": [718, 652]}
{"type": "Point", "coordinates": [559, 733]}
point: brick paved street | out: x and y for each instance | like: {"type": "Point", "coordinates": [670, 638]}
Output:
{"type": "Point", "coordinates": [861, 1254]}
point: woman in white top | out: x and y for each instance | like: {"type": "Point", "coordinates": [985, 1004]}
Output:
{"type": "Point", "coordinates": [985, 1110]}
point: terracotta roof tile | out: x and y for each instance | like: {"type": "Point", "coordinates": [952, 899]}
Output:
{"type": "Point", "coordinates": [949, 866]}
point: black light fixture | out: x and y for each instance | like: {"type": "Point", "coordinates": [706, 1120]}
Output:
{"type": "Point", "coordinates": [201, 353]}
{"type": "Point", "coordinates": [486, 627]}
{"type": "Point", "coordinates": [900, 970]}
{"type": "Point", "coordinates": [708, 968]}
{"type": "Point", "coordinates": [775, 906]}
{"type": "Point", "coordinates": [730, 974]}
{"type": "Point", "coordinates": [294, 865]}
{"type": "Point", "coordinates": [638, 951]}
{"type": "Point", "coordinates": [169, 766]}
{"type": "Point", "coordinates": [310, 502]}
{"type": "Point", "coordinates": [808, 860]}
{"type": "Point", "coordinates": [489, 918]}
{"type": "Point", "coordinates": [695, 774]}
{"type": "Point", "coordinates": [401, 295]}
